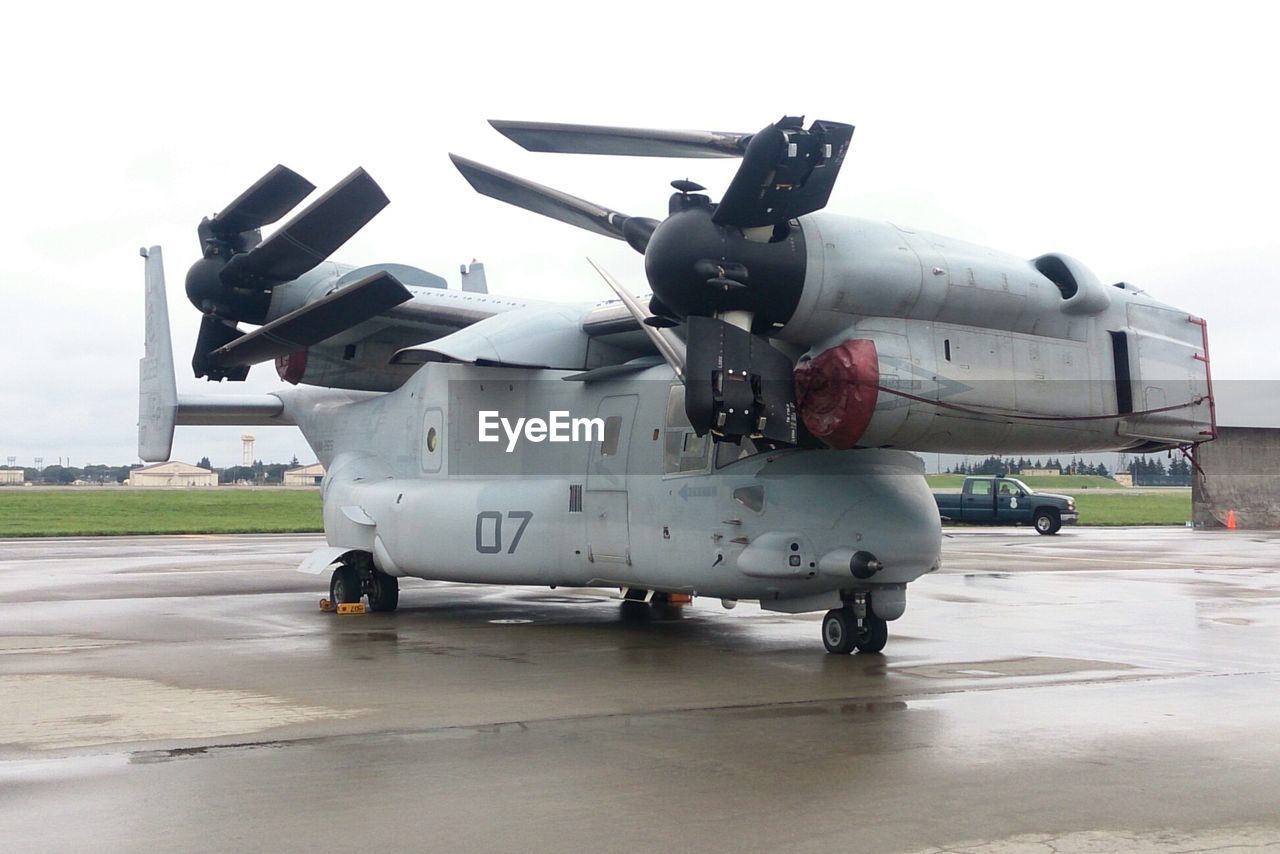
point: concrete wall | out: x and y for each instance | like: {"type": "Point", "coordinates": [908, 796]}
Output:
{"type": "Point", "coordinates": [1241, 473]}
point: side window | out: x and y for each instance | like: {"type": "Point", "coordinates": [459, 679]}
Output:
{"type": "Point", "coordinates": [432, 440]}
{"type": "Point", "coordinates": [1008, 489]}
{"type": "Point", "coordinates": [980, 487]}
{"type": "Point", "coordinates": [683, 450]}
{"type": "Point", "coordinates": [612, 430]}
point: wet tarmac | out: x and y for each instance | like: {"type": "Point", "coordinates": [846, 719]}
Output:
{"type": "Point", "coordinates": [1099, 690]}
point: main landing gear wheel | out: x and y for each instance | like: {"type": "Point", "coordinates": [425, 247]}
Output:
{"type": "Point", "coordinates": [1047, 523]}
{"type": "Point", "coordinates": [344, 586]}
{"type": "Point", "coordinates": [843, 632]}
{"type": "Point", "coordinates": [384, 592]}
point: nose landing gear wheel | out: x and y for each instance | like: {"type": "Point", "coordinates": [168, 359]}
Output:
{"type": "Point", "coordinates": [839, 630]}
{"type": "Point", "coordinates": [384, 592]}
{"type": "Point", "coordinates": [842, 632]}
{"type": "Point", "coordinates": [344, 586]}
{"type": "Point", "coordinates": [872, 635]}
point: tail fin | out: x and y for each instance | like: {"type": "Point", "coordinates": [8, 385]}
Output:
{"type": "Point", "coordinates": [159, 406]}
{"type": "Point", "coordinates": [157, 389]}
{"type": "Point", "coordinates": [473, 279]}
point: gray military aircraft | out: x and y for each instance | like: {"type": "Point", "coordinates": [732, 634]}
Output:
{"type": "Point", "coordinates": [745, 435]}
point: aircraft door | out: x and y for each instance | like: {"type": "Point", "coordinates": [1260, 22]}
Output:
{"type": "Point", "coordinates": [605, 498]}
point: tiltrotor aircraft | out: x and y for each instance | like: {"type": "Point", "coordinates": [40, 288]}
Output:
{"type": "Point", "coordinates": [745, 435]}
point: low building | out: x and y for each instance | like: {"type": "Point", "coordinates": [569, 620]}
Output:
{"type": "Point", "coordinates": [304, 476]}
{"type": "Point", "coordinates": [1039, 472]}
{"type": "Point", "coordinates": [1238, 477]}
{"type": "Point", "coordinates": [1123, 478]}
{"type": "Point", "coordinates": [172, 474]}
{"type": "Point", "coordinates": [11, 477]}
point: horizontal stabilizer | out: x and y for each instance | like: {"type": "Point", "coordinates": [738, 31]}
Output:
{"type": "Point", "coordinates": [315, 322]}
{"type": "Point", "coordinates": [160, 407]}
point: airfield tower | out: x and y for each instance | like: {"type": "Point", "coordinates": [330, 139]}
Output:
{"type": "Point", "coordinates": [246, 459]}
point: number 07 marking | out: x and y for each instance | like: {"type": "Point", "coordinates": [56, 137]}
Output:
{"type": "Point", "coordinates": [489, 530]}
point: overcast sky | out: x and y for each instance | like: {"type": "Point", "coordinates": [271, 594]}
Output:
{"type": "Point", "coordinates": [1140, 138]}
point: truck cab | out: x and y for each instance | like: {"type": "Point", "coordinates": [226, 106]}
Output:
{"type": "Point", "coordinates": [999, 500]}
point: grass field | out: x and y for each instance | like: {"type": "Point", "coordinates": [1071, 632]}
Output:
{"type": "Point", "coordinates": [1171, 507]}
{"type": "Point", "coordinates": [116, 510]}
{"type": "Point", "coordinates": [85, 512]}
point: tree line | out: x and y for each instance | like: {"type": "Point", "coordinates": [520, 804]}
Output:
{"type": "Point", "coordinates": [1146, 471]}
{"type": "Point", "coordinates": [258, 473]}
{"type": "Point", "coordinates": [1151, 471]}
{"type": "Point", "coordinates": [1008, 466]}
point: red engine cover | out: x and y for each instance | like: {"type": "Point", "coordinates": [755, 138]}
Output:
{"type": "Point", "coordinates": [291, 366]}
{"type": "Point", "coordinates": [836, 392]}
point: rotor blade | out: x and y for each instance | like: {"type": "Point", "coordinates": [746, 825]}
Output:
{"type": "Point", "coordinates": [315, 322]}
{"type": "Point", "coordinates": [311, 236]}
{"type": "Point", "coordinates": [522, 193]}
{"type": "Point", "coordinates": [786, 172]}
{"type": "Point", "coordinates": [271, 197]}
{"type": "Point", "coordinates": [215, 333]}
{"type": "Point", "coordinates": [666, 342]}
{"type": "Point", "coordinates": [638, 142]}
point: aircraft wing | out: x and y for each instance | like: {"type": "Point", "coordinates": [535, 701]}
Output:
{"type": "Point", "coordinates": [346, 337]}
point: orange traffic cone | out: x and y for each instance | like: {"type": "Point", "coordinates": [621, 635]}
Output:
{"type": "Point", "coordinates": [1231, 520]}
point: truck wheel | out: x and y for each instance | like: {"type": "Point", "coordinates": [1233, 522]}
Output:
{"type": "Point", "coordinates": [1047, 522]}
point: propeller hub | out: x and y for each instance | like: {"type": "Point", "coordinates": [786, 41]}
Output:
{"type": "Point", "coordinates": [208, 293]}
{"type": "Point", "coordinates": [698, 268]}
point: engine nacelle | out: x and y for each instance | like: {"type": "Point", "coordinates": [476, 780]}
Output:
{"type": "Point", "coordinates": [978, 351]}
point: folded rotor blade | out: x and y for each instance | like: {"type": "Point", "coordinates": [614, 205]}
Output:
{"type": "Point", "coordinates": [315, 322]}
{"type": "Point", "coordinates": [552, 203]}
{"type": "Point", "coordinates": [271, 197]}
{"type": "Point", "coordinates": [671, 348]}
{"type": "Point", "coordinates": [786, 172]}
{"type": "Point", "coordinates": [638, 142]}
{"type": "Point", "coordinates": [311, 236]}
{"type": "Point", "coordinates": [215, 333]}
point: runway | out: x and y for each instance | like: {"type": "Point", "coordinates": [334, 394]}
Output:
{"type": "Point", "coordinates": [1104, 689]}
